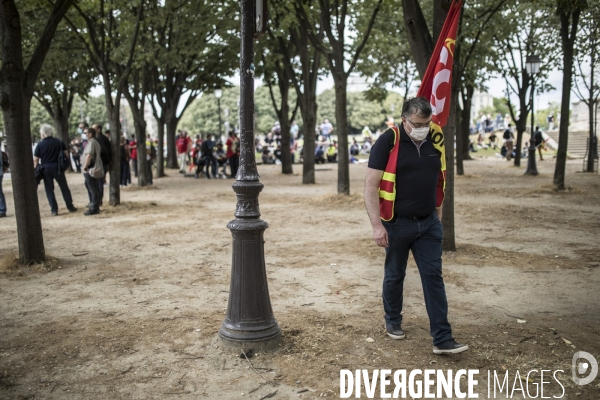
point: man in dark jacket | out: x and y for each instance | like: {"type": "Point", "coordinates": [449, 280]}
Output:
{"type": "Point", "coordinates": [105, 155]}
{"type": "Point", "coordinates": [47, 153]}
{"type": "Point", "coordinates": [208, 147]}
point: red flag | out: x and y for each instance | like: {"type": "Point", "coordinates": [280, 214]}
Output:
{"type": "Point", "coordinates": [438, 77]}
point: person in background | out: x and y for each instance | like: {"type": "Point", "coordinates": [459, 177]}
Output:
{"type": "Point", "coordinates": [221, 160]}
{"type": "Point", "coordinates": [538, 141]}
{"type": "Point", "coordinates": [183, 147]}
{"type": "Point", "coordinates": [326, 129]}
{"type": "Point", "coordinates": [355, 148]}
{"type": "Point", "coordinates": [332, 153]}
{"type": "Point", "coordinates": [81, 130]}
{"type": "Point", "coordinates": [294, 132]}
{"type": "Point", "coordinates": [492, 140]}
{"type": "Point", "coordinates": [233, 153]}
{"type": "Point", "coordinates": [319, 155]}
{"type": "Point", "coordinates": [133, 155]}
{"type": "Point", "coordinates": [91, 153]}
{"type": "Point", "coordinates": [508, 137]}
{"type": "Point", "coordinates": [75, 148]}
{"type": "Point", "coordinates": [47, 153]}
{"type": "Point", "coordinates": [105, 155]}
{"type": "Point", "coordinates": [124, 161]}
{"type": "Point", "coordinates": [150, 156]}
{"type": "Point", "coordinates": [208, 147]}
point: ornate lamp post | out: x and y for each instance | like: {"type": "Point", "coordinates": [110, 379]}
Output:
{"type": "Point", "coordinates": [218, 94]}
{"type": "Point", "coordinates": [532, 66]}
{"type": "Point", "coordinates": [249, 320]}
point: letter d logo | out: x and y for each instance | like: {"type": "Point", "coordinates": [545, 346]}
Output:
{"type": "Point", "coordinates": [582, 368]}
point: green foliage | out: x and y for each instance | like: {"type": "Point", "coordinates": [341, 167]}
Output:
{"type": "Point", "coordinates": [202, 116]}
{"type": "Point", "coordinates": [361, 111]}
{"type": "Point", "coordinates": [93, 109]}
{"type": "Point", "coordinates": [387, 59]}
{"type": "Point", "coordinates": [500, 106]}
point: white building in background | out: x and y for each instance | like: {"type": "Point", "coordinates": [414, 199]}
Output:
{"type": "Point", "coordinates": [357, 83]}
{"type": "Point", "coordinates": [480, 100]}
{"type": "Point", "coordinates": [580, 117]}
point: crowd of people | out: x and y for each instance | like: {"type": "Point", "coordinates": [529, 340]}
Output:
{"type": "Point", "coordinates": [90, 153]}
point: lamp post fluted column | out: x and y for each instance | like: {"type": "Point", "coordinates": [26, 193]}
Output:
{"type": "Point", "coordinates": [249, 320]}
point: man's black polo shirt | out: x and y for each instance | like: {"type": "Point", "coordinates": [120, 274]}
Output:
{"type": "Point", "coordinates": [48, 150]}
{"type": "Point", "coordinates": [417, 172]}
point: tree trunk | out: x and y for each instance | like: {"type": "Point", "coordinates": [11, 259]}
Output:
{"type": "Point", "coordinates": [592, 145]}
{"type": "Point", "coordinates": [449, 240]}
{"type": "Point", "coordinates": [341, 116]}
{"type": "Point", "coordinates": [16, 112]}
{"type": "Point", "coordinates": [463, 133]}
{"type": "Point", "coordinates": [309, 120]}
{"type": "Point", "coordinates": [16, 92]}
{"type": "Point", "coordinates": [172, 122]}
{"type": "Point", "coordinates": [160, 159]}
{"type": "Point", "coordinates": [567, 42]}
{"type": "Point", "coordinates": [61, 124]}
{"type": "Point", "coordinates": [519, 146]}
{"type": "Point", "coordinates": [112, 112]}
{"type": "Point", "coordinates": [285, 123]}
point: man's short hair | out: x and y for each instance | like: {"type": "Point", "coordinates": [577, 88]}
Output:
{"type": "Point", "coordinates": [46, 130]}
{"type": "Point", "coordinates": [418, 106]}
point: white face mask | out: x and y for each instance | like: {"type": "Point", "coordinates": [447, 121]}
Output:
{"type": "Point", "coordinates": [419, 133]}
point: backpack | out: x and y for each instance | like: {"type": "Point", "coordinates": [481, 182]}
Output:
{"type": "Point", "coordinates": [507, 134]}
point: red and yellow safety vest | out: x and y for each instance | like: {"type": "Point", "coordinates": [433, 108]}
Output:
{"type": "Point", "coordinates": [387, 185]}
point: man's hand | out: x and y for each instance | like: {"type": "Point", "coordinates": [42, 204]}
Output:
{"type": "Point", "coordinates": [380, 235]}
{"type": "Point", "coordinates": [438, 212]}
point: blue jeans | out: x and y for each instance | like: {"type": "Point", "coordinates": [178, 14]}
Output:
{"type": "Point", "coordinates": [424, 239]}
{"type": "Point", "coordinates": [2, 198]}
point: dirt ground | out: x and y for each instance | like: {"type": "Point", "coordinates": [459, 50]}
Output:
{"type": "Point", "coordinates": [130, 306]}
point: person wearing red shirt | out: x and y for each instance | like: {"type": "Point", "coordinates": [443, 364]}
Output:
{"type": "Point", "coordinates": [233, 153]}
{"type": "Point", "coordinates": [133, 155]}
{"type": "Point", "coordinates": [183, 144]}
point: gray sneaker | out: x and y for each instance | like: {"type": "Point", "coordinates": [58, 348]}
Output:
{"type": "Point", "coordinates": [394, 331]}
{"type": "Point", "coordinates": [449, 347]}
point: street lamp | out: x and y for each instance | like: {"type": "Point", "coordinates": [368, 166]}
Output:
{"type": "Point", "coordinates": [249, 321]}
{"type": "Point", "coordinates": [218, 94]}
{"type": "Point", "coordinates": [532, 66]}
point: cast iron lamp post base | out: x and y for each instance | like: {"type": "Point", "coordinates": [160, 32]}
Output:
{"type": "Point", "coordinates": [249, 321]}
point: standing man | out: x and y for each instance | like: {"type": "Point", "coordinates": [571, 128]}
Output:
{"type": "Point", "coordinates": [105, 155]}
{"type": "Point", "coordinates": [233, 153]}
{"type": "Point", "coordinates": [508, 137]}
{"type": "Point", "coordinates": [133, 155]}
{"type": "Point", "coordinates": [404, 190]}
{"type": "Point", "coordinates": [183, 148]}
{"type": "Point", "coordinates": [47, 153]}
{"type": "Point", "coordinates": [208, 147]}
{"type": "Point", "coordinates": [326, 129]}
{"type": "Point", "coordinates": [91, 153]}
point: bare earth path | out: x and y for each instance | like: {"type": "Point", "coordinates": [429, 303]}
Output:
{"type": "Point", "coordinates": [131, 306]}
